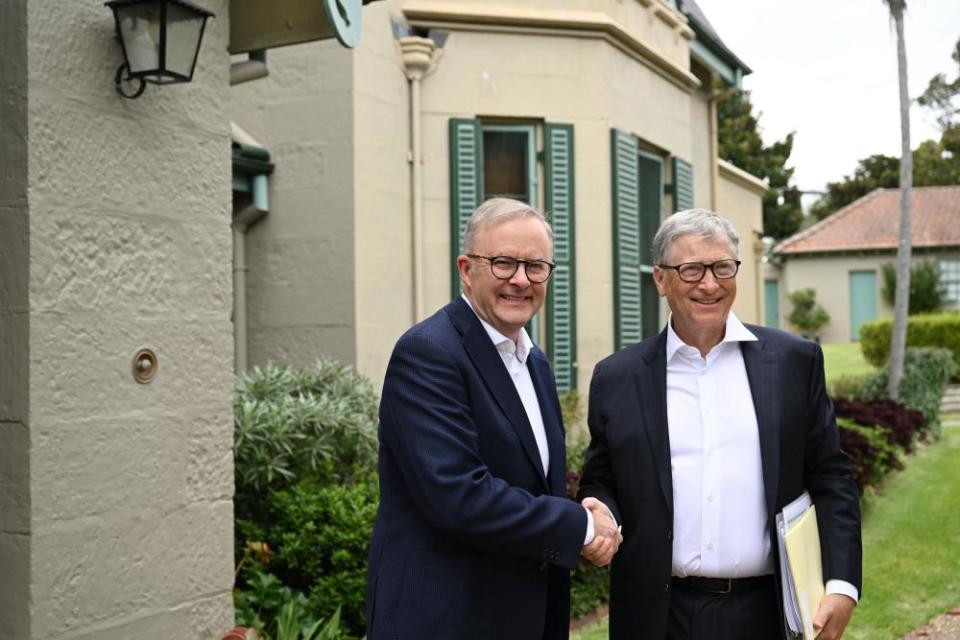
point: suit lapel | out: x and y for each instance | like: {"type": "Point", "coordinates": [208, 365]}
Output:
{"type": "Point", "coordinates": [651, 380]}
{"type": "Point", "coordinates": [763, 374]}
{"type": "Point", "coordinates": [552, 422]}
{"type": "Point", "coordinates": [488, 362]}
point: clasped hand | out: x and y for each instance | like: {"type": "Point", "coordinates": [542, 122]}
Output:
{"type": "Point", "coordinates": [606, 539]}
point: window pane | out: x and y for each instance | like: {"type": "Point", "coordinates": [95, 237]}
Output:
{"type": "Point", "coordinates": [505, 160]}
{"type": "Point", "coordinates": [950, 278]}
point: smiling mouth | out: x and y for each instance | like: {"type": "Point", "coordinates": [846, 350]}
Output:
{"type": "Point", "coordinates": [708, 303]}
{"type": "Point", "coordinates": [510, 298]}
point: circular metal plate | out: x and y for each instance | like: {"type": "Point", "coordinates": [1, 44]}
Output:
{"type": "Point", "coordinates": [344, 16]}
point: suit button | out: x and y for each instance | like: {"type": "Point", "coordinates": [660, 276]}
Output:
{"type": "Point", "coordinates": [669, 536]}
{"type": "Point", "coordinates": [666, 587]}
{"type": "Point", "coordinates": [543, 566]}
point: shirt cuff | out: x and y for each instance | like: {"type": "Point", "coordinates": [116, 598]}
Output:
{"type": "Point", "coordinates": [842, 587]}
{"type": "Point", "coordinates": [590, 532]}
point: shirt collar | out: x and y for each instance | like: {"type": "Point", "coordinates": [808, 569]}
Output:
{"type": "Point", "coordinates": [735, 331]}
{"type": "Point", "coordinates": [520, 349]}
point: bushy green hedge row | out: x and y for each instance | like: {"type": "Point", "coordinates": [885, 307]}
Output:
{"type": "Point", "coordinates": [306, 494]}
{"type": "Point", "coordinates": [929, 330]}
{"type": "Point", "coordinates": [926, 374]}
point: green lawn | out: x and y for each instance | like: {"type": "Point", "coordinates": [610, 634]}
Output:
{"type": "Point", "coordinates": [844, 359]}
{"type": "Point", "coordinates": [911, 540]}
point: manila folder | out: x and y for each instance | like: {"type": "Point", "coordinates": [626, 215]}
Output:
{"type": "Point", "coordinates": [802, 541]}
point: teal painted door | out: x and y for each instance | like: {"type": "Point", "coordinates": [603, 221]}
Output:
{"type": "Point", "coordinates": [863, 300]}
{"type": "Point", "coordinates": [771, 303]}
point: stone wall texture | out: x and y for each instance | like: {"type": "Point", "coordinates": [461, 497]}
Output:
{"type": "Point", "coordinates": [116, 497]}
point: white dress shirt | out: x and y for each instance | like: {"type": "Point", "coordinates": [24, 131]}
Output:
{"type": "Point", "coordinates": [514, 356]}
{"type": "Point", "coordinates": [719, 511]}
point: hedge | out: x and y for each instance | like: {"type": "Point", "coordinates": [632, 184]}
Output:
{"type": "Point", "coordinates": [928, 330]}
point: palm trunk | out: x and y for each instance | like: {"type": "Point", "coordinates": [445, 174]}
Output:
{"type": "Point", "coordinates": [902, 298]}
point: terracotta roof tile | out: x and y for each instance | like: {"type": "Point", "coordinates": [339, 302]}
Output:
{"type": "Point", "coordinates": [873, 222]}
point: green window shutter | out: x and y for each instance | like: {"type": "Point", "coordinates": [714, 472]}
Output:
{"type": "Point", "coordinates": [466, 184]}
{"type": "Point", "coordinates": [561, 297]}
{"type": "Point", "coordinates": [626, 239]}
{"type": "Point", "coordinates": [682, 185]}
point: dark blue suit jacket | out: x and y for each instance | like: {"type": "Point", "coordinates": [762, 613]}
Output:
{"type": "Point", "coordinates": [628, 465]}
{"type": "Point", "coordinates": [471, 539]}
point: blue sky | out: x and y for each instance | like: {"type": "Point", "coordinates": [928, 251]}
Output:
{"type": "Point", "coordinates": [827, 69]}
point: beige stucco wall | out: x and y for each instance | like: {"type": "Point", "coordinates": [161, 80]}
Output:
{"type": "Point", "coordinates": [739, 198]}
{"type": "Point", "coordinates": [116, 497]}
{"type": "Point", "coordinates": [300, 257]}
{"type": "Point", "coordinates": [496, 72]}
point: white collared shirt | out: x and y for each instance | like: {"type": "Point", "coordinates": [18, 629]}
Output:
{"type": "Point", "coordinates": [720, 516]}
{"type": "Point", "coordinates": [719, 511]}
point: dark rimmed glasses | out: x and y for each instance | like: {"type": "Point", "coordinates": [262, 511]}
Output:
{"type": "Point", "coordinates": [504, 267]}
{"type": "Point", "coordinates": [694, 271]}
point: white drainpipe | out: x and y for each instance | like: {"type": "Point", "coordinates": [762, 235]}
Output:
{"type": "Point", "coordinates": [242, 221]}
{"type": "Point", "coordinates": [418, 56]}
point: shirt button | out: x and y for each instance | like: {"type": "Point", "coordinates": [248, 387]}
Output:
{"type": "Point", "coordinates": [710, 498]}
{"type": "Point", "coordinates": [709, 545]}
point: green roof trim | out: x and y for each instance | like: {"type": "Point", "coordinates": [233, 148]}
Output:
{"type": "Point", "coordinates": [716, 56]}
{"type": "Point", "coordinates": [251, 160]}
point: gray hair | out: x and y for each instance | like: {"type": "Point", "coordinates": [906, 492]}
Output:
{"type": "Point", "coordinates": [697, 222]}
{"type": "Point", "coordinates": [497, 210]}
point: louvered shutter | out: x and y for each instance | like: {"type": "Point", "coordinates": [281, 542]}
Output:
{"type": "Point", "coordinates": [626, 239]}
{"type": "Point", "coordinates": [561, 297]}
{"type": "Point", "coordinates": [466, 184]}
{"type": "Point", "coordinates": [682, 185]}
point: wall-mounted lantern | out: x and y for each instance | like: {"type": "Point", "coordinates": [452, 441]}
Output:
{"type": "Point", "coordinates": [160, 40]}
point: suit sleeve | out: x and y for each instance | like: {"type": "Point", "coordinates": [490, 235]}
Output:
{"type": "Point", "coordinates": [828, 476]}
{"type": "Point", "coordinates": [598, 479]}
{"type": "Point", "coordinates": [428, 426]}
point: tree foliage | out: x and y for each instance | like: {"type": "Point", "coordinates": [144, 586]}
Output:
{"type": "Point", "coordinates": [927, 293]}
{"type": "Point", "coordinates": [807, 316]}
{"type": "Point", "coordinates": [740, 144]}
{"type": "Point", "coordinates": [943, 97]}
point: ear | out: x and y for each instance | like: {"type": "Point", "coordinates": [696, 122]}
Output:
{"type": "Point", "coordinates": [463, 268]}
{"type": "Point", "coordinates": [660, 279]}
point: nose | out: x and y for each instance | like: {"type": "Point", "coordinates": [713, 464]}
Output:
{"type": "Point", "coordinates": [518, 279]}
{"type": "Point", "coordinates": [709, 280]}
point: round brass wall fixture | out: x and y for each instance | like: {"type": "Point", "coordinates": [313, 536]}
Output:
{"type": "Point", "coordinates": [144, 366]}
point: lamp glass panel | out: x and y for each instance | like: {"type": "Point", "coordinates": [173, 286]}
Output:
{"type": "Point", "coordinates": [140, 30]}
{"type": "Point", "coordinates": [183, 39]}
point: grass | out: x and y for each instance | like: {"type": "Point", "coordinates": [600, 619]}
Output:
{"type": "Point", "coordinates": [844, 359]}
{"type": "Point", "coordinates": [911, 540]}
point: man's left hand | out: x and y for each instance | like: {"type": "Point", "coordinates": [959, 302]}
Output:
{"type": "Point", "coordinates": [833, 616]}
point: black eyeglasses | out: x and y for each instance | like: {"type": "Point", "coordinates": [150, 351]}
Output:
{"type": "Point", "coordinates": [694, 271]}
{"type": "Point", "coordinates": [504, 267]}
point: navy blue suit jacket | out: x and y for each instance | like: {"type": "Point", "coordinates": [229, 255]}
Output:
{"type": "Point", "coordinates": [628, 465]}
{"type": "Point", "coordinates": [471, 539]}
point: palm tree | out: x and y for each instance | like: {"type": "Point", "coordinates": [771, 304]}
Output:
{"type": "Point", "coordinates": [902, 298]}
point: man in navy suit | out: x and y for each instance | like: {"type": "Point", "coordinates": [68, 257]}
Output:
{"type": "Point", "coordinates": [475, 537]}
{"type": "Point", "coordinates": [699, 436]}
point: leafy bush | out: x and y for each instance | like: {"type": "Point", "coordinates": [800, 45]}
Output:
{"type": "Point", "coordinates": [902, 426]}
{"type": "Point", "coordinates": [872, 456]}
{"type": "Point", "coordinates": [932, 330]}
{"type": "Point", "coordinates": [589, 585]}
{"type": "Point", "coordinates": [285, 608]}
{"type": "Point", "coordinates": [926, 373]}
{"type": "Point", "coordinates": [807, 316]}
{"type": "Point", "coordinates": [927, 292]}
{"type": "Point", "coordinates": [305, 450]}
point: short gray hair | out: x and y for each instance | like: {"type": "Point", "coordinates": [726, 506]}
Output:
{"type": "Point", "coordinates": [497, 210]}
{"type": "Point", "coordinates": [696, 222]}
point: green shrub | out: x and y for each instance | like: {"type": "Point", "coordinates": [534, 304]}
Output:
{"type": "Point", "coordinates": [807, 316]}
{"type": "Point", "coordinates": [927, 292]}
{"type": "Point", "coordinates": [926, 373]}
{"type": "Point", "coordinates": [932, 330]}
{"type": "Point", "coordinates": [306, 489]}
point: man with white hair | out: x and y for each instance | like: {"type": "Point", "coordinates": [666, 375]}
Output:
{"type": "Point", "coordinates": [699, 436]}
{"type": "Point", "coordinates": [475, 536]}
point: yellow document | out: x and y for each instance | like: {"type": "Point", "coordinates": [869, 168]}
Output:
{"type": "Point", "coordinates": [802, 542]}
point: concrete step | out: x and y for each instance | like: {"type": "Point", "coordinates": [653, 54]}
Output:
{"type": "Point", "coordinates": [950, 403]}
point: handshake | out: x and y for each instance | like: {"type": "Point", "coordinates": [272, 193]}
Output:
{"type": "Point", "coordinates": [606, 538]}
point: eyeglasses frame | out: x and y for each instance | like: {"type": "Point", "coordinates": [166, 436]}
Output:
{"type": "Point", "coordinates": [705, 266]}
{"type": "Point", "coordinates": [490, 260]}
